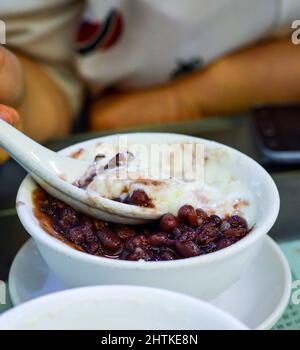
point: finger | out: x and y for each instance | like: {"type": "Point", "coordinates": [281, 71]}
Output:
{"type": "Point", "coordinates": [11, 78]}
{"type": "Point", "coordinates": [9, 114]}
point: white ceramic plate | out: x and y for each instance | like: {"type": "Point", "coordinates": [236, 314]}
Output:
{"type": "Point", "coordinates": [257, 300]}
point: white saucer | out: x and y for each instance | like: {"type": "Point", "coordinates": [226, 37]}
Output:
{"type": "Point", "coordinates": [257, 300]}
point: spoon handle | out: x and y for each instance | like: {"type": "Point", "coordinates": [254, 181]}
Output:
{"type": "Point", "coordinates": [38, 160]}
{"type": "Point", "coordinates": [23, 149]}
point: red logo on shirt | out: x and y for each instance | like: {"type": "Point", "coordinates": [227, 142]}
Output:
{"type": "Point", "coordinates": [100, 35]}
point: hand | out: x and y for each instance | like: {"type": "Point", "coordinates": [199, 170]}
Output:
{"type": "Point", "coordinates": [11, 89]}
{"type": "Point", "coordinates": [12, 86]}
{"type": "Point", "coordinates": [265, 73]}
{"type": "Point", "coordinates": [44, 107]}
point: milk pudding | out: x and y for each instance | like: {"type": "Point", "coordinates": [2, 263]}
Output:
{"type": "Point", "coordinates": [125, 177]}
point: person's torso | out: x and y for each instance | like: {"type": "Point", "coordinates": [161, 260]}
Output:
{"type": "Point", "coordinates": [135, 43]}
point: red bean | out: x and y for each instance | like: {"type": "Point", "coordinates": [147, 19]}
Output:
{"type": "Point", "coordinates": [224, 243]}
{"type": "Point", "coordinates": [211, 247]}
{"type": "Point", "coordinates": [92, 247]}
{"type": "Point", "coordinates": [140, 254]}
{"type": "Point", "coordinates": [178, 232]}
{"type": "Point", "coordinates": [88, 234]}
{"type": "Point", "coordinates": [188, 216]}
{"type": "Point", "coordinates": [125, 232]}
{"type": "Point", "coordinates": [160, 240]}
{"type": "Point", "coordinates": [139, 241]}
{"type": "Point", "coordinates": [140, 198]}
{"type": "Point", "coordinates": [188, 234]}
{"type": "Point", "coordinates": [187, 249]}
{"type": "Point", "coordinates": [109, 240]}
{"type": "Point", "coordinates": [237, 221]}
{"type": "Point", "coordinates": [168, 255]}
{"type": "Point", "coordinates": [208, 233]}
{"type": "Point", "coordinates": [225, 226]}
{"type": "Point", "coordinates": [236, 232]}
{"type": "Point", "coordinates": [76, 235]}
{"type": "Point", "coordinates": [215, 219]}
{"type": "Point", "coordinates": [168, 223]}
{"type": "Point", "coordinates": [70, 216]}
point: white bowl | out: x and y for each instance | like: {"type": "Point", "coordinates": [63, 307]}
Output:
{"type": "Point", "coordinates": [216, 271]}
{"type": "Point", "coordinates": [118, 307]}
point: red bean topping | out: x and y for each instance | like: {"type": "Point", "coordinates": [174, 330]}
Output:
{"type": "Point", "coordinates": [125, 232]}
{"type": "Point", "coordinates": [215, 219]}
{"type": "Point", "coordinates": [178, 232]}
{"type": "Point", "coordinates": [119, 159]}
{"type": "Point", "coordinates": [225, 226]}
{"type": "Point", "coordinates": [160, 240]}
{"type": "Point", "coordinates": [92, 247]}
{"type": "Point", "coordinates": [188, 249]}
{"type": "Point", "coordinates": [69, 215]}
{"type": "Point", "coordinates": [76, 235]}
{"type": "Point", "coordinates": [235, 232]}
{"type": "Point", "coordinates": [168, 223]}
{"type": "Point", "coordinates": [211, 247]}
{"type": "Point", "coordinates": [89, 234]}
{"type": "Point", "coordinates": [224, 243]}
{"type": "Point", "coordinates": [188, 234]}
{"type": "Point", "coordinates": [140, 198]}
{"type": "Point", "coordinates": [237, 221]}
{"type": "Point", "coordinates": [188, 216]}
{"type": "Point", "coordinates": [168, 255]}
{"type": "Point", "coordinates": [191, 233]}
{"type": "Point", "coordinates": [139, 241]}
{"type": "Point", "coordinates": [140, 254]}
{"type": "Point", "coordinates": [109, 240]}
{"type": "Point", "coordinates": [208, 233]}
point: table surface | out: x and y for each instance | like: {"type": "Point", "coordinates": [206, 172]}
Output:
{"type": "Point", "coordinates": [233, 131]}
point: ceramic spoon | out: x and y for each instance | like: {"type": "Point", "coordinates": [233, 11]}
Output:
{"type": "Point", "coordinates": [56, 173]}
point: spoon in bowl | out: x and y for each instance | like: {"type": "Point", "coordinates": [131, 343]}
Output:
{"type": "Point", "coordinates": [56, 174]}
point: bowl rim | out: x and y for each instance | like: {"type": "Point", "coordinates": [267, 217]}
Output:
{"type": "Point", "coordinates": [107, 290]}
{"type": "Point", "coordinates": [41, 236]}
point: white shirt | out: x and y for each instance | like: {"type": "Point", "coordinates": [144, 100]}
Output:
{"type": "Point", "coordinates": [135, 43]}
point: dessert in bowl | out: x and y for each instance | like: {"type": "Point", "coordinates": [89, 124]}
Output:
{"type": "Point", "coordinates": [203, 245]}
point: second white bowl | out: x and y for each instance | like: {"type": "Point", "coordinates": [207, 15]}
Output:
{"type": "Point", "coordinates": [117, 308]}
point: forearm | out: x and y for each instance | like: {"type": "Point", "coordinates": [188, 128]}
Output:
{"type": "Point", "coordinates": [267, 73]}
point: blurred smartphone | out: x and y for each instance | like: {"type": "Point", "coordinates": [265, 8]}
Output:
{"type": "Point", "coordinates": [277, 132]}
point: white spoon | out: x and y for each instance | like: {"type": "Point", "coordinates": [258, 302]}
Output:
{"type": "Point", "coordinates": [56, 173]}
